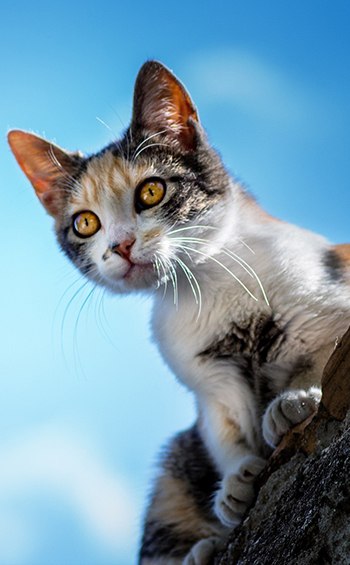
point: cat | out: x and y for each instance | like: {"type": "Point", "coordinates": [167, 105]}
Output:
{"type": "Point", "coordinates": [247, 308]}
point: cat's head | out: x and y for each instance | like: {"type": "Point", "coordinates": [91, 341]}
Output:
{"type": "Point", "coordinates": [123, 214]}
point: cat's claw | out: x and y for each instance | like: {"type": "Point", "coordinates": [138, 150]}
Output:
{"type": "Point", "coordinates": [288, 409]}
{"type": "Point", "coordinates": [203, 551]}
{"type": "Point", "coordinates": [237, 491]}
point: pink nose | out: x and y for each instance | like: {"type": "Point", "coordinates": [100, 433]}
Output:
{"type": "Point", "coordinates": [123, 249]}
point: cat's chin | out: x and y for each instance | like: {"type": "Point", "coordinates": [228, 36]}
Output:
{"type": "Point", "coordinates": [138, 277]}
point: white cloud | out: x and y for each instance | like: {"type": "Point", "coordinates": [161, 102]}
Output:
{"type": "Point", "coordinates": [55, 460]}
{"type": "Point", "coordinates": [253, 85]}
{"type": "Point", "coordinates": [18, 538]}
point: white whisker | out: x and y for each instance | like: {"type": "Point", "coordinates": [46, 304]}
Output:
{"type": "Point", "coordinates": [76, 355]}
{"type": "Point", "coordinates": [51, 155]}
{"type": "Point", "coordinates": [147, 147]}
{"type": "Point", "coordinates": [199, 226]}
{"type": "Point", "coordinates": [249, 270]}
{"type": "Point", "coordinates": [165, 276]}
{"type": "Point", "coordinates": [196, 291]}
{"type": "Point", "coordinates": [145, 141]}
{"type": "Point", "coordinates": [191, 228]}
{"type": "Point", "coordinates": [104, 124]}
{"type": "Point", "coordinates": [156, 262]}
{"type": "Point", "coordinates": [245, 266]}
{"type": "Point", "coordinates": [115, 141]}
{"type": "Point", "coordinates": [224, 250]}
{"type": "Point", "coordinates": [172, 275]}
{"type": "Point", "coordinates": [191, 249]}
{"type": "Point", "coordinates": [101, 318]}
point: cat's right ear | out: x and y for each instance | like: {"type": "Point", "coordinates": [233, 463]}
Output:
{"type": "Point", "coordinates": [46, 165]}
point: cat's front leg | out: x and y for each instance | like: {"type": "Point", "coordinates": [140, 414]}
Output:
{"type": "Point", "coordinates": [204, 550]}
{"type": "Point", "coordinates": [238, 461]}
{"type": "Point", "coordinates": [236, 493]}
{"type": "Point", "coordinates": [290, 408]}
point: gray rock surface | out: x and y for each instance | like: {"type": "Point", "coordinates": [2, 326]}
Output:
{"type": "Point", "coordinates": [302, 514]}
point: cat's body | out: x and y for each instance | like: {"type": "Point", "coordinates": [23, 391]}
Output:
{"type": "Point", "coordinates": [247, 309]}
{"type": "Point", "coordinates": [238, 357]}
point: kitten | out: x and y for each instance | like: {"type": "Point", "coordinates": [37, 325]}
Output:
{"type": "Point", "coordinates": [246, 308]}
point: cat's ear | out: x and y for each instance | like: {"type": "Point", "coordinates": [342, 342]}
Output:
{"type": "Point", "coordinates": [162, 104]}
{"type": "Point", "coordinates": [45, 164]}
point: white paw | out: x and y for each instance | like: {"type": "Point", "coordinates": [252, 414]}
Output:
{"type": "Point", "coordinates": [203, 551]}
{"type": "Point", "coordinates": [237, 491]}
{"type": "Point", "coordinates": [290, 408]}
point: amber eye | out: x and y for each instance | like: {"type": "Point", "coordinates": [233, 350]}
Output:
{"type": "Point", "coordinates": [86, 224]}
{"type": "Point", "coordinates": [149, 193]}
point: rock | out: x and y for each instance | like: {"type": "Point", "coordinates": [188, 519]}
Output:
{"type": "Point", "coordinates": [302, 512]}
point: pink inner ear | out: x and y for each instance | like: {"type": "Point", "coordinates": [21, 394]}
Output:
{"type": "Point", "coordinates": [161, 102]}
{"type": "Point", "coordinates": [41, 185]}
{"type": "Point", "coordinates": [40, 161]}
{"type": "Point", "coordinates": [177, 107]}
{"type": "Point", "coordinates": [51, 202]}
{"type": "Point", "coordinates": [33, 156]}
{"type": "Point", "coordinates": [181, 105]}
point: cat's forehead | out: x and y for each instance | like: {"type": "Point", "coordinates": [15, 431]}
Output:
{"type": "Point", "coordinates": [110, 178]}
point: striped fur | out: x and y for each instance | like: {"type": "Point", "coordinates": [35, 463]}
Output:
{"type": "Point", "coordinates": [181, 510]}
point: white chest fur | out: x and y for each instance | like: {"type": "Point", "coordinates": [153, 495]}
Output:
{"type": "Point", "coordinates": [301, 302]}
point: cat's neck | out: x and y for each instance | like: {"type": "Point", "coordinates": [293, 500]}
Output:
{"type": "Point", "coordinates": [253, 261]}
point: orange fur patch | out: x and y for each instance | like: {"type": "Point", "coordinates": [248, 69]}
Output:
{"type": "Point", "coordinates": [151, 234]}
{"type": "Point", "coordinates": [343, 252]}
{"type": "Point", "coordinates": [174, 506]}
{"type": "Point", "coordinates": [109, 178]}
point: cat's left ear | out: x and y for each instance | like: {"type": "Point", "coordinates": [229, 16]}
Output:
{"type": "Point", "coordinates": [163, 105]}
{"type": "Point", "coordinates": [46, 165]}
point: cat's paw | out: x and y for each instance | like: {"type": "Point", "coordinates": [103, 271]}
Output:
{"type": "Point", "coordinates": [290, 408]}
{"type": "Point", "coordinates": [203, 551]}
{"type": "Point", "coordinates": [237, 491]}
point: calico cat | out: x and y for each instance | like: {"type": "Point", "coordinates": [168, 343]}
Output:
{"type": "Point", "coordinates": [247, 308]}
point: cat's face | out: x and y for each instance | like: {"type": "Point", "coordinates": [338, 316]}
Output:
{"type": "Point", "coordinates": [120, 214]}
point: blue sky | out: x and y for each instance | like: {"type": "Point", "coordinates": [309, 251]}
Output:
{"type": "Point", "coordinates": [86, 401]}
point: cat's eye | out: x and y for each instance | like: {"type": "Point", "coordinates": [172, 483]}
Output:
{"type": "Point", "coordinates": [149, 193]}
{"type": "Point", "coordinates": [86, 224]}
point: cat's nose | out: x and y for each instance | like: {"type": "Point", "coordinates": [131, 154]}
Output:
{"type": "Point", "coordinates": [123, 249]}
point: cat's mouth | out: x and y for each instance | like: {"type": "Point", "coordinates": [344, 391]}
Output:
{"type": "Point", "coordinates": [138, 271]}
{"type": "Point", "coordinates": [134, 276]}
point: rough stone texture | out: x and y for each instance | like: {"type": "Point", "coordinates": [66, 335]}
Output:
{"type": "Point", "coordinates": [302, 514]}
